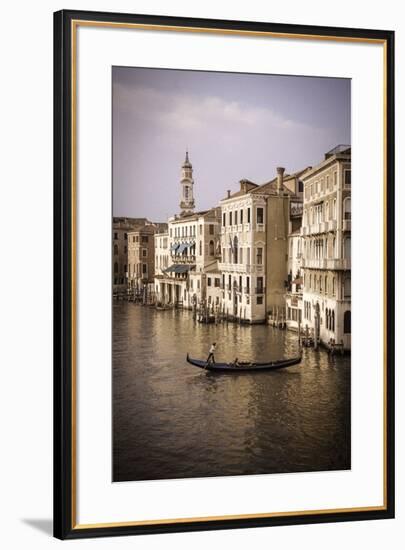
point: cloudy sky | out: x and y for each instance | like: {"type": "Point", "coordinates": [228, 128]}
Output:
{"type": "Point", "coordinates": [234, 125]}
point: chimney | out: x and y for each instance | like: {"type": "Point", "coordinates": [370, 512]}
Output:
{"type": "Point", "coordinates": [280, 174]}
{"type": "Point", "coordinates": [229, 193]}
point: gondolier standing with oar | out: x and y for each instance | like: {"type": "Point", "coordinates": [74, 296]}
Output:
{"type": "Point", "coordinates": [211, 358]}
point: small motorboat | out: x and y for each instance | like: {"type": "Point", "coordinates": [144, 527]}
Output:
{"type": "Point", "coordinates": [244, 366]}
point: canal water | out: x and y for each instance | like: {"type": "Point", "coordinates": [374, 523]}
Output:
{"type": "Point", "coordinates": [173, 420]}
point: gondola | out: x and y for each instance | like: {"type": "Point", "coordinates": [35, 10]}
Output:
{"type": "Point", "coordinates": [244, 366]}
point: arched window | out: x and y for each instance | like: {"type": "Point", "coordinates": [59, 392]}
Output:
{"type": "Point", "coordinates": [235, 250]}
{"type": "Point", "coordinates": [333, 287]}
{"type": "Point", "coordinates": [347, 247]}
{"type": "Point", "coordinates": [327, 318]}
{"type": "Point", "coordinates": [347, 287]}
{"type": "Point", "coordinates": [116, 267]}
{"type": "Point", "coordinates": [211, 248]}
{"type": "Point", "coordinates": [326, 211]}
{"type": "Point", "coordinates": [347, 322]}
{"type": "Point", "coordinates": [347, 208]}
{"type": "Point", "coordinates": [200, 246]}
{"type": "Point", "coordinates": [330, 246]}
{"type": "Point", "coordinates": [115, 250]}
{"type": "Point", "coordinates": [333, 321]}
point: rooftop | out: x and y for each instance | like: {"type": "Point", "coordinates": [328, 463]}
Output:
{"type": "Point", "coordinates": [338, 150]}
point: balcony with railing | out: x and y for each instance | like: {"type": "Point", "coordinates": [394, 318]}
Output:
{"type": "Point", "coordinates": [183, 259]}
{"type": "Point", "coordinates": [335, 264]}
{"type": "Point", "coordinates": [321, 227]}
{"type": "Point", "coordinates": [339, 264]}
{"type": "Point", "coordinates": [241, 268]}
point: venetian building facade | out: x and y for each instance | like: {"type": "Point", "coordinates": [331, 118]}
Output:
{"type": "Point", "coordinates": [254, 240]}
{"type": "Point", "coordinates": [162, 255]}
{"type": "Point", "coordinates": [326, 261]}
{"type": "Point", "coordinates": [192, 254]}
{"type": "Point", "coordinates": [141, 257]}
{"type": "Point", "coordinates": [294, 282]}
{"type": "Point", "coordinates": [243, 245]}
{"type": "Point", "coordinates": [120, 229]}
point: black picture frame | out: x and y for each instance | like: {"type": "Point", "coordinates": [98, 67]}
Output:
{"type": "Point", "coordinates": [64, 247]}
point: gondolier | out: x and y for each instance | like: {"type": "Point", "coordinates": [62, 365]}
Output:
{"type": "Point", "coordinates": [211, 358]}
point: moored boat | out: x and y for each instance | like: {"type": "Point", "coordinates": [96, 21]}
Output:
{"type": "Point", "coordinates": [244, 366]}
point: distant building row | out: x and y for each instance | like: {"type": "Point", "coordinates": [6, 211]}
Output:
{"type": "Point", "coordinates": [133, 252]}
{"type": "Point", "coordinates": [279, 251]}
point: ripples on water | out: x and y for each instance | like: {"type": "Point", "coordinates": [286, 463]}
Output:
{"type": "Point", "coordinates": [172, 420]}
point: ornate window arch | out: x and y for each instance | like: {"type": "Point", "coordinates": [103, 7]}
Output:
{"type": "Point", "coordinates": [235, 250]}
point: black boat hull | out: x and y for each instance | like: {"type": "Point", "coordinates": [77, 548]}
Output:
{"type": "Point", "coordinates": [247, 367]}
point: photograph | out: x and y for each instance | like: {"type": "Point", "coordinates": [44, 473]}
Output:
{"type": "Point", "coordinates": [230, 274]}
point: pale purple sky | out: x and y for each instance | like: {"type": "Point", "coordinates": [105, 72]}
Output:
{"type": "Point", "coordinates": [235, 126]}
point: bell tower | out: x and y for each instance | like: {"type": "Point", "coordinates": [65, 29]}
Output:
{"type": "Point", "coordinates": [187, 199]}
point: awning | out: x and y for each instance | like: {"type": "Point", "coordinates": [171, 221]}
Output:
{"type": "Point", "coordinates": [174, 247]}
{"type": "Point", "coordinates": [179, 268]}
{"type": "Point", "coordinates": [182, 248]}
{"type": "Point", "coordinates": [183, 268]}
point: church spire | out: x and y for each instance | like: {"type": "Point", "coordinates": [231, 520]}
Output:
{"type": "Point", "coordinates": [187, 183]}
{"type": "Point", "coordinates": [187, 162]}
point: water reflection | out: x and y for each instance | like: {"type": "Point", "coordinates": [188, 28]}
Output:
{"type": "Point", "coordinates": [172, 420]}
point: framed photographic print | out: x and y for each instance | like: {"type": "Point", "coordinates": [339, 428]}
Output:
{"type": "Point", "coordinates": [224, 274]}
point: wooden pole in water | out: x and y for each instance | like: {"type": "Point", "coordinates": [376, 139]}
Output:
{"type": "Point", "coordinates": [299, 330]}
